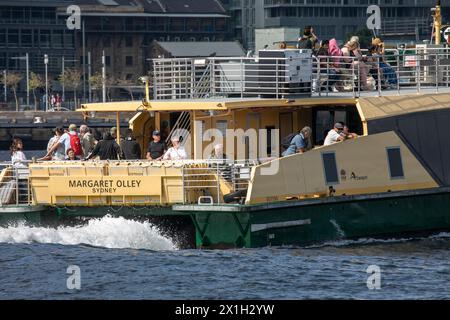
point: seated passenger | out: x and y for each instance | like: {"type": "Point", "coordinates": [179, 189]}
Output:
{"type": "Point", "coordinates": [71, 155]}
{"type": "Point", "coordinates": [388, 71]}
{"type": "Point", "coordinates": [334, 135]}
{"type": "Point", "coordinates": [177, 152]}
{"type": "Point", "coordinates": [354, 58]}
{"type": "Point", "coordinates": [218, 153]}
{"type": "Point", "coordinates": [299, 144]}
{"type": "Point", "coordinates": [326, 67]}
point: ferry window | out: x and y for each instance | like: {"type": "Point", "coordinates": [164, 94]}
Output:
{"type": "Point", "coordinates": [395, 163]}
{"type": "Point", "coordinates": [330, 168]}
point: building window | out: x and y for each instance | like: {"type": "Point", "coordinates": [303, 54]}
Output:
{"type": "Point", "coordinates": [107, 60]}
{"type": "Point", "coordinates": [395, 163]}
{"type": "Point", "coordinates": [129, 61]}
{"type": "Point", "coordinates": [330, 168]}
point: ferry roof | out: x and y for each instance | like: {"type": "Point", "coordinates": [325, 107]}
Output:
{"type": "Point", "coordinates": [369, 107]}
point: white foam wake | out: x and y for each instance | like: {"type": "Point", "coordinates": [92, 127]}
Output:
{"type": "Point", "coordinates": [108, 232]}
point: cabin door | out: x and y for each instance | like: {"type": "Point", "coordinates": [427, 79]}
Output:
{"type": "Point", "coordinates": [285, 125]}
{"type": "Point", "coordinates": [251, 140]}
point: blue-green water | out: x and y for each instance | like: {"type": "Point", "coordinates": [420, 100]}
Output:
{"type": "Point", "coordinates": [123, 259]}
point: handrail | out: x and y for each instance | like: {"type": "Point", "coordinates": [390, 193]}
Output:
{"type": "Point", "coordinates": [397, 70]}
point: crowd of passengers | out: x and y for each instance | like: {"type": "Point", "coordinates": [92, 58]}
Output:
{"type": "Point", "coordinates": [73, 144]}
{"type": "Point", "coordinates": [80, 144]}
{"type": "Point", "coordinates": [337, 63]}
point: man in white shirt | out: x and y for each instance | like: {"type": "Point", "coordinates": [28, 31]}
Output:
{"type": "Point", "coordinates": [177, 152]}
{"type": "Point", "coordinates": [64, 140]}
{"type": "Point", "coordinates": [334, 135]}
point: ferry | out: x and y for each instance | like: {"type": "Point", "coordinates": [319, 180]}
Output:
{"type": "Point", "coordinates": [392, 180]}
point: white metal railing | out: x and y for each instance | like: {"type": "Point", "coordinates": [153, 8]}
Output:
{"type": "Point", "coordinates": [206, 176]}
{"type": "Point", "coordinates": [397, 70]}
{"type": "Point", "coordinates": [181, 128]}
{"type": "Point", "coordinates": [230, 77]}
{"type": "Point", "coordinates": [14, 184]}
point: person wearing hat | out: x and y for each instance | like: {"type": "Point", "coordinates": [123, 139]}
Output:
{"type": "Point", "coordinates": [335, 134]}
{"type": "Point", "coordinates": [177, 152]}
{"type": "Point", "coordinates": [156, 148]}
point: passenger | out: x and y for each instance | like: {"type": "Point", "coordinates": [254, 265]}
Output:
{"type": "Point", "coordinates": [106, 149]}
{"type": "Point", "coordinates": [58, 154]}
{"type": "Point", "coordinates": [308, 40]}
{"type": "Point", "coordinates": [334, 135]}
{"type": "Point", "coordinates": [18, 158]}
{"type": "Point", "coordinates": [217, 153]}
{"type": "Point", "coordinates": [327, 68]}
{"type": "Point", "coordinates": [355, 58]}
{"type": "Point", "coordinates": [156, 148]}
{"type": "Point", "coordinates": [177, 152]}
{"type": "Point", "coordinates": [71, 155]}
{"type": "Point", "coordinates": [87, 140]}
{"type": "Point", "coordinates": [347, 134]}
{"type": "Point", "coordinates": [299, 144]}
{"type": "Point", "coordinates": [388, 71]}
{"type": "Point", "coordinates": [130, 147]}
{"type": "Point", "coordinates": [70, 140]}
{"type": "Point", "coordinates": [219, 160]}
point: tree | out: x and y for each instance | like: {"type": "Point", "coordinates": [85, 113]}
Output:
{"type": "Point", "coordinates": [12, 81]}
{"type": "Point", "coordinates": [71, 79]}
{"type": "Point", "coordinates": [96, 82]}
{"type": "Point", "coordinates": [36, 82]}
{"type": "Point", "coordinates": [365, 37]}
{"type": "Point", "coordinates": [127, 84]}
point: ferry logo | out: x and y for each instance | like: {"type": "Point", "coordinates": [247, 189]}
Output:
{"type": "Point", "coordinates": [343, 175]}
{"type": "Point", "coordinates": [74, 280]}
{"type": "Point", "coordinates": [74, 20]}
{"type": "Point", "coordinates": [374, 21]}
{"type": "Point", "coordinates": [374, 280]}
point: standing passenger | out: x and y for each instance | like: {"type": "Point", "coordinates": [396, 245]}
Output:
{"type": "Point", "coordinates": [130, 147]}
{"type": "Point", "coordinates": [156, 148]}
{"type": "Point", "coordinates": [177, 152]}
{"type": "Point", "coordinates": [106, 149]}
{"type": "Point", "coordinates": [18, 158]}
{"type": "Point", "coordinates": [87, 140]}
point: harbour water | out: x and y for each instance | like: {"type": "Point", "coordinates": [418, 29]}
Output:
{"type": "Point", "coordinates": [125, 259]}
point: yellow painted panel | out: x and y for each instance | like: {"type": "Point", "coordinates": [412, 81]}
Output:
{"type": "Point", "coordinates": [362, 166]}
{"type": "Point", "coordinates": [109, 185]}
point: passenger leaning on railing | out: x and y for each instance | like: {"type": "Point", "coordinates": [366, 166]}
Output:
{"type": "Point", "coordinates": [299, 143]}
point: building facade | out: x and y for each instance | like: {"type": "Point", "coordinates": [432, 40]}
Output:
{"type": "Point", "coordinates": [122, 29]}
{"type": "Point", "coordinates": [401, 19]}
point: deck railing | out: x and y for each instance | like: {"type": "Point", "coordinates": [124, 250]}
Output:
{"type": "Point", "coordinates": [208, 176]}
{"type": "Point", "coordinates": [396, 71]}
{"type": "Point", "coordinates": [14, 185]}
